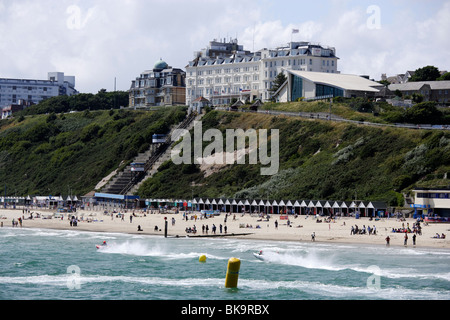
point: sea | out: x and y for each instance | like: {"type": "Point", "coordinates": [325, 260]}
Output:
{"type": "Point", "coordinates": [39, 264]}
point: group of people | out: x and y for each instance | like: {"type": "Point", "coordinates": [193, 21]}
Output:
{"type": "Point", "coordinates": [405, 241]}
{"type": "Point", "coordinates": [73, 221]}
{"type": "Point", "coordinates": [205, 229]}
{"type": "Point", "coordinates": [356, 230]}
{"type": "Point", "coordinates": [15, 223]}
{"type": "Point", "coordinates": [417, 229]}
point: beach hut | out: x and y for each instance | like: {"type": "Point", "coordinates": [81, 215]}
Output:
{"type": "Point", "coordinates": [362, 207]}
{"type": "Point", "coordinates": [261, 206]}
{"type": "Point", "coordinates": [214, 203]}
{"type": "Point", "coordinates": [247, 207]}
{"type": "Point", "coordinates": [275, 204]}
{"type": "Point", "coordinates": [201, 204]}
{"type": "Point", "coordinates": [327, 208]}
{"type": "Point", "coordinates": [241, 206]}
{"type": "Point", "coordinates": [289, 207]}
{"type": "Point", "coordinates": [297, 207]}
{"type": "Point", "coordinates": [337, 208]}
{"type": "Point", "coordinates": [254, 206]}
{"type": "Point", "coordinates": [227, 206]}
{"type": "Point", "coordinates": [304, 207]}
{"type": "Point", "coordinates": [353, 208]}
{"type": "Point", "coordinates": [311, 207]}
{"type": "Point", "coordinates": [220, 205]}
{"type": "Point", "coordinates": [208, 205]}
{"type": "Point", "coordinates": [282, 207]}
{"type": "Point", "coordinates": [267, 206]}
{"type": "Point", "coordinates": [320, 207]}
{"type": "Point", "coordinates": [345, 207]}
{"type": "Point", "coordinates": [234, 206]}
{"type": "Point", "coordinates": [378, 208]}
{"type": "Point", "coordinates": [194, 205]}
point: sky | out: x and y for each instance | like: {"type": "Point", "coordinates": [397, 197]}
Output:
{"type": "Point", "coordinates": [98, 41]}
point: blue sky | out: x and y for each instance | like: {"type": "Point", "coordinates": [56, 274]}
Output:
{"type": "Point", "coordinates": [98, 40]}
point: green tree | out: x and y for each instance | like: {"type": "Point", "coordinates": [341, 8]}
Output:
{"type": "Point", "coordinates": [445, 76]}
{"type": "Point", "coordinates": [280, 79]}
{"type": "Point", "coordinates": [423, 113]}
{"type": "Point", "coordinates": [428, 73]}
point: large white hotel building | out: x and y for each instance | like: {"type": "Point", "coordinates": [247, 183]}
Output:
{"type": "Point", "coordinates": [14, 91]}
{"type": "Point", "coordinates": [224, 70]}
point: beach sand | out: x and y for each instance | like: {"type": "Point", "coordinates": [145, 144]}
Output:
{"type": "Point", "coordinates": [243, 226]}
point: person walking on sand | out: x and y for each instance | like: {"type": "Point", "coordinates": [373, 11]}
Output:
{"type": "Point", "coordinates": [388, 239]}
{"type": "Point", "coordinates": [313, 237]}
{"type": "Point", "coordinates": [406, 239]}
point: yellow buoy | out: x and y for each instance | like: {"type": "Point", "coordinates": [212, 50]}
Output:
{"type": "Point", "coordinates": [202, 258]}
{"type": "Point", "coordinates": [231, 280]}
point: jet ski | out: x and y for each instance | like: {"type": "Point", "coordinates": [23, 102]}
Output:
{"type": "Point", "coordinates": [259, 255]}
{"type": "Point", "coordinates": [103, 245]}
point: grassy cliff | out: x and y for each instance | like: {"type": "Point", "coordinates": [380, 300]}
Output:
{"type": "Point", "coordinates": [52, 154]}
{"type": "Point", "coordinates": [60, 153]}
{"type": "Point", "coordinates": [318, 160]}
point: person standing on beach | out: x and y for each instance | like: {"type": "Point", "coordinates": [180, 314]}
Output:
{"type": "Point", "coordinates": [276, 224]}
{"type": "Point", "coordinates": [406, 239]}
{"type": "Point", "coordinates": [414, 239]}
{"type": "Point", "coordinates": [388, 239]}
{"type": "Point", "coordinates": [313, 237]}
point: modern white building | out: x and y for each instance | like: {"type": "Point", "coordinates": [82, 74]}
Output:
{"type": "Point", "coordinates": [225, 71]}
{"type": "Point", "coordinates": [34, 91]}
{"type": "Point", "coordinates": [432, 202]}
{"type": "Point", "coordinates": [314, 85]}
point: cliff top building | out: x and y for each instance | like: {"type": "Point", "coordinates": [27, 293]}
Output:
{"type": "Point", "coordinates": [34, 91]}
{"type": "Point", "coordinates": [224, 70]}
{"type": "Point", "coordinates": [161, 86]}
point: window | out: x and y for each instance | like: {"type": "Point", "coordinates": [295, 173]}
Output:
{"type": "Point", "coordinates": [297, 88]}
{"type": "Point", "coordinates": [323, 90]}
{"type": "Point", "coordinates": [310, 61]}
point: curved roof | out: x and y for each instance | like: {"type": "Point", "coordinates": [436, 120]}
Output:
{"type": "Point", "coordinates": [344, 81]}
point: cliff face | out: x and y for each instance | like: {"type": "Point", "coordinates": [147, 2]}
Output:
{"type": "Point", "coordinates": [317, 160]}
{"type": "Point", "coordinates": [72, 153]}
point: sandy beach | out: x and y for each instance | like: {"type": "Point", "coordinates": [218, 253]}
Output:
{"type": "Point", "coordinates": [241, 226]}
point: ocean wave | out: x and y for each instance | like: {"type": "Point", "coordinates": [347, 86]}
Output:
{"type": "Point", "coordinates": [146, 249]}
{"type": "Point", "coordinates": [316, 289]}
